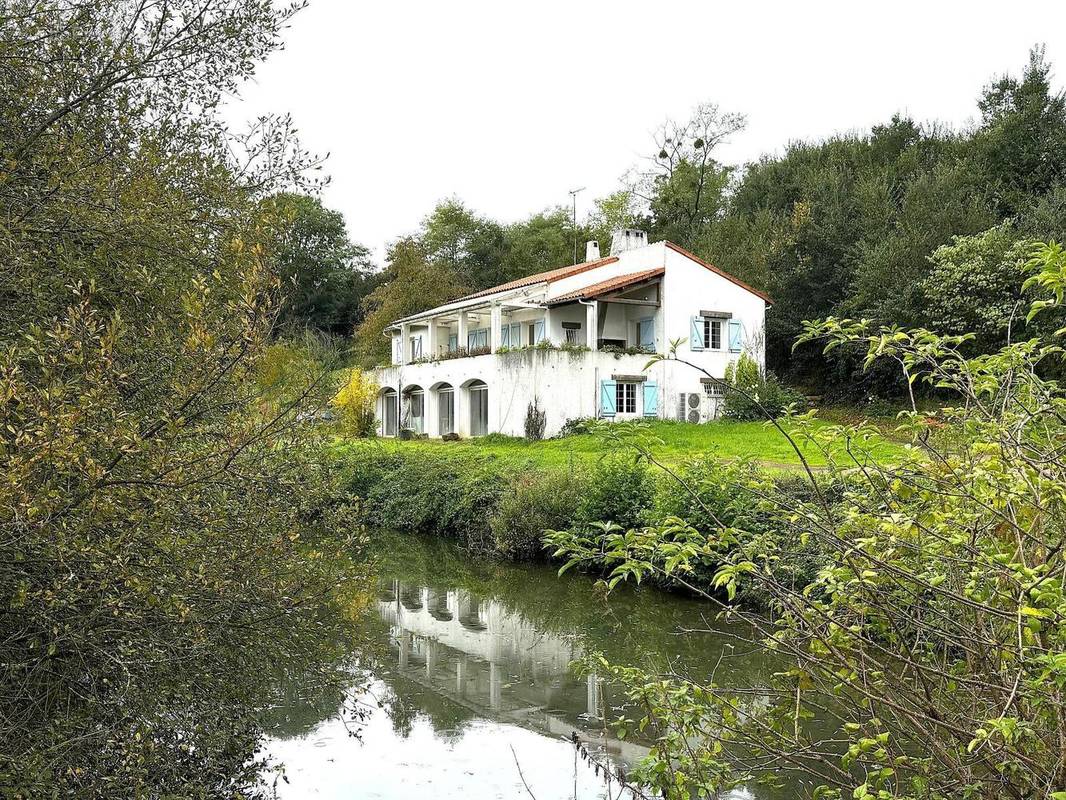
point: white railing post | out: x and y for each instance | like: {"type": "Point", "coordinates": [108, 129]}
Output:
{"type": "Point", "coordinates": [462, 331]}
{"type": "Point", "coordinates": [495, 327]}
{"type": "Point", "coordinates": [405, 343]}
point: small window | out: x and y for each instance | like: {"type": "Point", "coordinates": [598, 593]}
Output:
{"type": "Point", "coordinates": [626, 398]}
{"type": "Point", "coordinates": [712, 334]}
{"type": "Point", "coordinates": [714, 389]}
{"type": "Point", "coordinates": [416, 347]}
{"type": "Point", "coordinates": [572, 332]}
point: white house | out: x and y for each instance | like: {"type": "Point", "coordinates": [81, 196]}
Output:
{"type": "Point", "coordinates": [574, 341]}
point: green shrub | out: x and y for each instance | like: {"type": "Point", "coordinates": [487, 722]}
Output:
{"type": "Point", "coordinates": [355, 403]}
{"type": "Point", "coordinates": [709, 492]}
{"type": "Point", "coordinates": [576, 427]}
{"type": "Point", "coordinates": [753, 392]}
{"type": "Point", "coordinates": [619, 490]}
{"type": "Point", "coordinates": [444, 494]}
{"type": "Point", "coordinates": [536, 502]}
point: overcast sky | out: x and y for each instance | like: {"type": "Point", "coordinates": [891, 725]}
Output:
{"type": "Point", "coordinates": [510, 105]}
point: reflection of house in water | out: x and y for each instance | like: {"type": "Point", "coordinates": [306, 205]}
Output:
{"type": "Point", "coordinates": [490, 659]}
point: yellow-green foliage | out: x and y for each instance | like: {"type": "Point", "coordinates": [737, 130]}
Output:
{"type": "Point", "coordinates": [286, 371]}
{"type": "Point", "coordinates": [355, 402]}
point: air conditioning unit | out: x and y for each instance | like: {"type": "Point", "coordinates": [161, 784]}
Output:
{"type": "Point", "coordinates": [690, 407]}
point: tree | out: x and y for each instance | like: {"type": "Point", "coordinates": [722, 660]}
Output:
{"type": "Point", "coordinates": [542, 242]}
{"type": "Point", "coordinates": [616, 211]}
{"type": "Point", "coordinates": [159, 516]}
{"type": "Point", "coordinates": [972, 287]}
{"type": "Point", "coordinates": [411, 283]}
{"type": "Point", "coordinates": [685, 185]}
{"type": "Point", "coordinates": [468, 246]}
{"type": "Point", "coordinates": [1021, 144]}
{"type": "Point", "coordinates": [927, 658]}
{"type": "Point", "coordinates": [324, 275]}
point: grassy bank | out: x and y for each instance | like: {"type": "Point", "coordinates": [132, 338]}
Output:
{"type": "Point", "coordinates": [496, 497]}
{"type": "Point", "coordinates": [678, 442]}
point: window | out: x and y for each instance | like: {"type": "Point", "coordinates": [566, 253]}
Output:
{"type": "Point", "coordinates": [453, 343]}
{"type": "Point", "coordinates": [479, 409]}
{"type": "Point", "coordinates": [416, 347]}
{"type": "Point", "coordinates": [388, 401]}
{"type": "Point", "coordinates": [625, 399]}
{"type": "Point", "coordinates": [712, 334]}
{"type": "Point", "coordinates": [511, 335]}
{"type": "Point", "coordinates": [714, 389]}
{"type": "Point", "coordinates": [532, 333]}
{"type": "Point", "coordinates": [477, 339]}
{"type": "Point", "coordinates": [416, 408]}
{"type": "Point", "coordinates": [573, 332]}
{"type": "Point", "coordinates": [446, 410]}
{"type": "Point", "coordinates": [646, 333]}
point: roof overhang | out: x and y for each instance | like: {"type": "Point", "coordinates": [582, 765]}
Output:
{"type": "Point", "coordinates": [610, 287]}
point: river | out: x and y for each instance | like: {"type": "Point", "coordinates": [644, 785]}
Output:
{"type": "Point", "coordinates": [471, 693]}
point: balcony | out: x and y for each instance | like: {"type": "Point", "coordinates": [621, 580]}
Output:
{"type": "Point", "coordinates": [633, 328]}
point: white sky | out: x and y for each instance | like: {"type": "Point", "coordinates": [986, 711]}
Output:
{"type": "Point", "coordinates": [510, 105]}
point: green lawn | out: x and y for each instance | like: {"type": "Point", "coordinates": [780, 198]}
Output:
{"type": "Point", "coordinates": [725, 438]}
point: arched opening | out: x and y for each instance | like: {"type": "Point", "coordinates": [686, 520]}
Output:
{"type": "Point", "coordinates": [390, 412]}
{"type": "Point", "coordinates": [445, 408]}
{"type": "Point", "coordinates": [479, 407]}
{"type": "Point", "coordinates": [414, 416]}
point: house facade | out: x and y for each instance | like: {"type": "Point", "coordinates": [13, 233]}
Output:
{"type": "Point", "coordinates": [573, 342]}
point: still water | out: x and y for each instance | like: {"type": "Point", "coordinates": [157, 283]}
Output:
{"type": "Point", "coordinates": [471, 688]}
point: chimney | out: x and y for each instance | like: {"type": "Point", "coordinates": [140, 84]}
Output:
{"type": "Point", "coordinates": [592, 250]}
{"type": "Point", "coordinates": [627, 239]}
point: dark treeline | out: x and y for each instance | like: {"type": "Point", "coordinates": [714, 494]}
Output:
{"type": "Point", "coordinates": [911, 224]}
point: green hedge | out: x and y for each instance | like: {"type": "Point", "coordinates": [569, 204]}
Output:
{"type": "Point", "coordinates": [498, 507]}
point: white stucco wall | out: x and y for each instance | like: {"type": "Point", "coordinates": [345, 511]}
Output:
{"type": "Point", "coordinates": [567, 384]}
{"type": "Point", "coordinates": [688, 288]}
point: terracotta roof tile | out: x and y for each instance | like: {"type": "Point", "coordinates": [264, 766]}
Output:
{"type": "Point", "coordinates": [541, 277]}
{"type": "Point", "coordinates": [607, 286]}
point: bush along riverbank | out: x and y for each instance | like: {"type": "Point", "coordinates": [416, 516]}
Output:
{"type": "Point", "coordinates": [497, 507]}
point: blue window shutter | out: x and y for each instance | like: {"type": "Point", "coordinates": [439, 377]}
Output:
{"type": "Point", "coordinates": [695, 341]}
{"type": "Point", "coordinates": [646, 331]}
{"type": "Point", "coordinates": [505, 336]}
{"type": "Point", "coordinates": [453, 343]}
{"type": "Point", "coordinates": [651, 399]}
{"type": "Point", "coordinates": [471, 340]}
{"type": "Point", "coordinates": [607, 398]}
{"type": "Point", "coordinates": [516, 335]}
{"type": "Point", "coordinates": [736, 334]}
{"type": "Point", "coordinates": [538, 331]}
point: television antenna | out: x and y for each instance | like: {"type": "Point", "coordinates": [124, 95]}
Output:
{"type": "Point", "coordinates": [573, 217]}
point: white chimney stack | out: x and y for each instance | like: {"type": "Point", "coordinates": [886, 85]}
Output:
{"type": "Point", "coordinates": [627, 239]}
{"type": "Point", "coordinates": [592, 250]}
